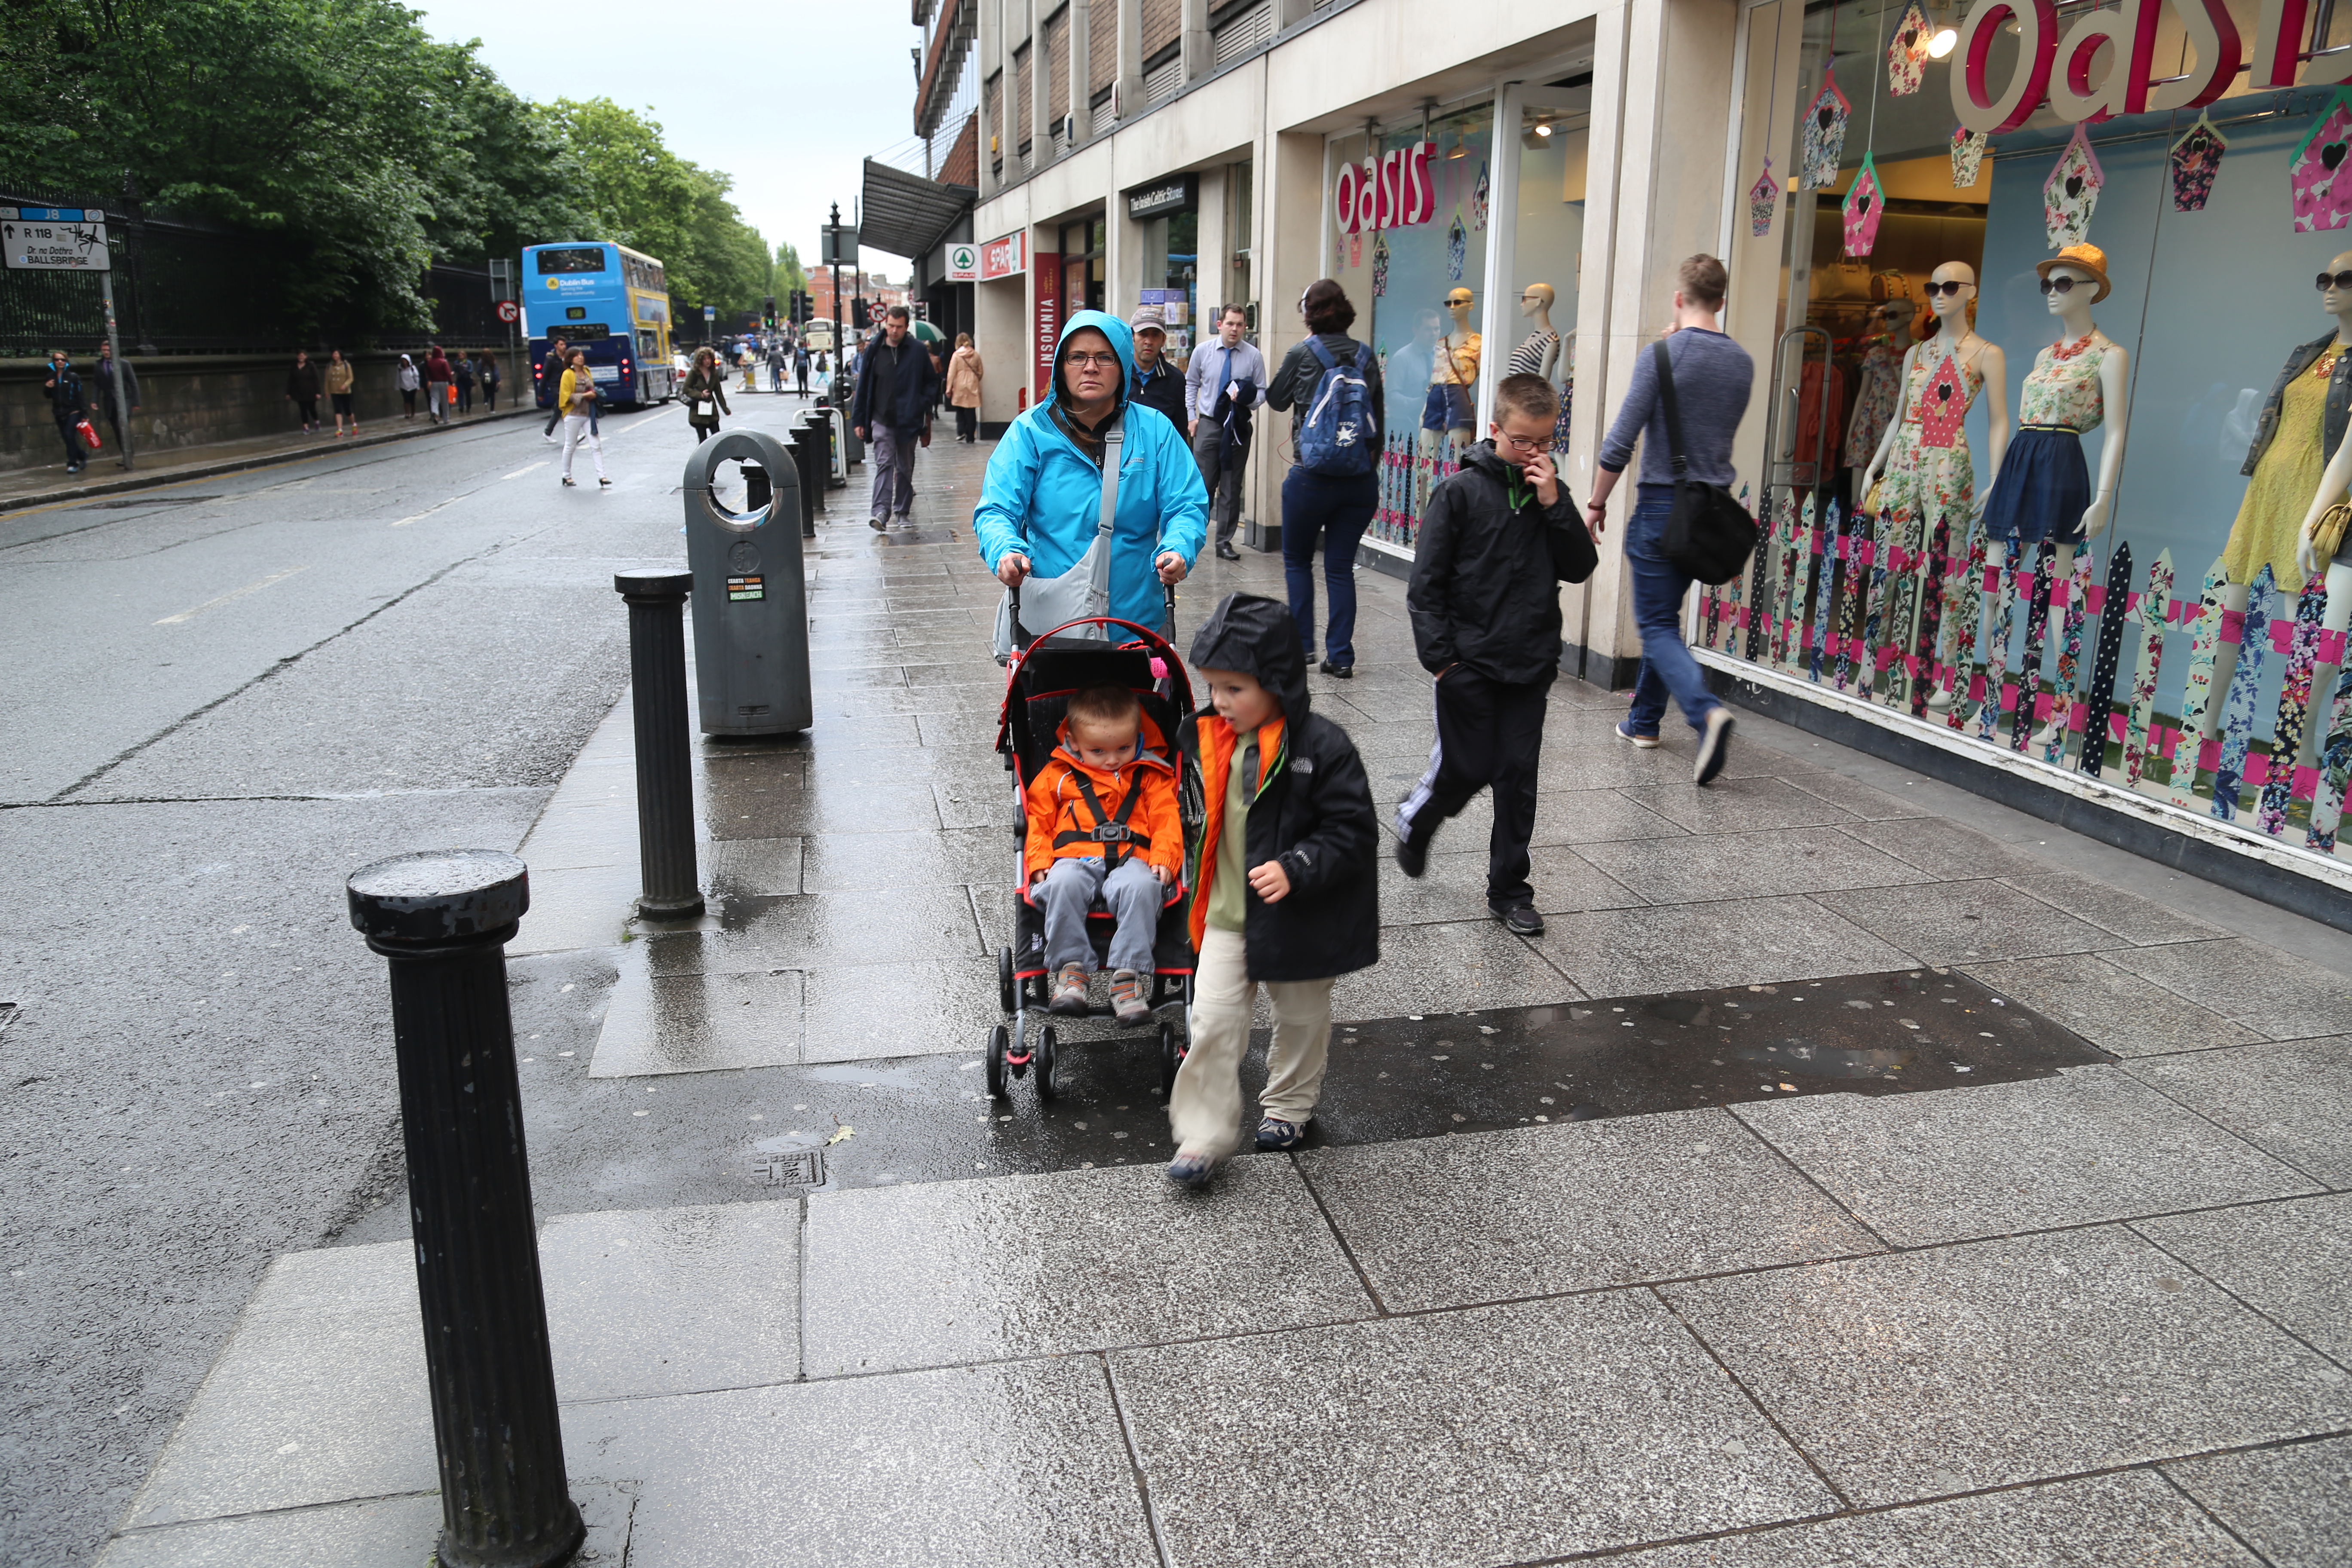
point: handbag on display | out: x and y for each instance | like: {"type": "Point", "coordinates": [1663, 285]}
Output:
{"type": "Point", "coordinates": [2327, 533]}
{"type": "Point", "coordinates": [1709, 534]}
{"type": "Point", "coordinates": [1041, 604]}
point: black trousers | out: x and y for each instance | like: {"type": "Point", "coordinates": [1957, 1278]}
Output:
{"type": "Point", "coordinates": [76, 453]}
{"type": "Point", "coordinates": [1489, 733]}
{"type": "Point", "coordinates": [967, 422]}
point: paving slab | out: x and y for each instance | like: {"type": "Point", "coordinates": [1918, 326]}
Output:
{"type": "Point", "coordinates": [2292, 1504]}
{"type": "Point", "coordinates": [2091, 1145]}
{"type": "Point", "coordinates": [750, 868]}
{"type": "Point", "coordinates": [1454, 888]}
{"type": "Point", "coordinates": [1497, 1436]}
{"type": "Point", "coordinates": [1865, 801]}
{"type": "Point", "coordinates": [587, 906]}
{"type": "Point", "coordinates": [1734, 804]}
{"type": "Point", "coordinates": [380, 1532]}
{"type": "Point", "coordinates": [925, 1276]}
{"type": "Point", "coordinates": [1790, 860]}
{"type": "Point", "coordinates": [1947, 849]}
{"type": "Point", "coordinates": [1688, 947]}
{"type": "Point", "coordinates": [1964, 923]}
{"type": "Point", "coordinates": [1490, 1217]}
{"type": "Point", "coordinates": [2276, 992]}
{"type": "Point", "coordinates": [1924, 1373]}
{"type": "Point", "coordinates": [817, 931]}
{"type": "Point", "coordinates": [928, 1008]}
{"type": "Point", "coordinates": [2290, 1261]}
{"type": "Point", "coordinates": [844, 862]}
{"type": "Point", "coordinates": [1435, 968]}
{"type": "Point", "coordinates": [2143, 922]}
{"type": "Point", "coordinates": [995, 1466]}
{"type": "Point", "coordinates": [697, 1023]}
{"type": "Point", "coordinates": [2109, 1005]}
{"type": "Point", "coordinates": [2293, 1098]}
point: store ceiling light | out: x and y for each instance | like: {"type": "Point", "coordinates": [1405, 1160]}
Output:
{"type": "Point", "coordinates": [1942, 42]}
{"type": "Point", "coordinates": [1543, 130]}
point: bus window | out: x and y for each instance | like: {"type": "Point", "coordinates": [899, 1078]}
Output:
{"type": "Point", "coordinates": [648, 344]}
{"type": "Point", "coordinates": [571, 259]}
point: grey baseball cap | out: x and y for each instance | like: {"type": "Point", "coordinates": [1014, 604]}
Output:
{"type": "Point", "coordinates": [1150, 316]}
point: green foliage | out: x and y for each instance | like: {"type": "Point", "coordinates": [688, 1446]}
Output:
{"type": "Point", "coordinates": [789, 274]}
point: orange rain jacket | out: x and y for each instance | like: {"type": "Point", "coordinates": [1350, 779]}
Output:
{"type": "Point", "coordinates": [1062, 821]}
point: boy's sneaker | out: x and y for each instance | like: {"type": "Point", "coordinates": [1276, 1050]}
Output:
{"type": "Point", "coordinates": [1273, 1132]}
{"type": "Point", "coordinates": [1129, 998]}
{"type": "Point", "coordinates": [1714, 745]}
{"type": "Point", "coordinates": [1520, 920]}
{"type": "Point", "coordinates": [1190, 1169]}
{"type": "Point", "coordinates": [1641, 742]}
{"type": "Point", "coordinates": [1070, 990]}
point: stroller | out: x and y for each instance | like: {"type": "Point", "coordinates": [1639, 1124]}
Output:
{"type": "Point", "coordinates": [1042, 678]}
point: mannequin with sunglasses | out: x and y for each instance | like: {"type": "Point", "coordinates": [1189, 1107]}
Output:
{"type": "Point", "coordinates": [1539, 352]}
{"type": "Point", "coordinates": [1924, 459]}
{"type": "Point", "coordinates": [1450, 409]}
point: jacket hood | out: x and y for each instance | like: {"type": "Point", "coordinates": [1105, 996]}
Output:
{"type": "Point", "coordinates": [1122, 343]}
{"type": "Point", "coordinates": [1255, 636]}
{"type": "Point", "coordinates": [1482, 456]}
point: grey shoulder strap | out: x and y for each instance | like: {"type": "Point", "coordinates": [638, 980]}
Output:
{"type": "Point", "coordinates": [1111, 438]}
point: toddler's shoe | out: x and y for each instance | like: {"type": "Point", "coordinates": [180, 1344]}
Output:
{"type": "Point", "coordinates": [1190, 1169]}
{"type": "Point", "coordinates": [1070, 990]}
{"type": "Point", "coordinates": [1129, 1005]}
{"type": "Point", "coordinates": [1273, 1132]}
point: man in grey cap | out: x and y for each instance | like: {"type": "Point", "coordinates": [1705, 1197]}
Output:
{"type": "Point", "coordinates": [1157, 383]}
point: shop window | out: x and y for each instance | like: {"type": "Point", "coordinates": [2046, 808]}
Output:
{"type": "Point", "coordinates": [1240, 199]}
{"type": "Point", "coordinates": [1171, 277]}
{"type": "Point", "coordinates": [1082, 276]}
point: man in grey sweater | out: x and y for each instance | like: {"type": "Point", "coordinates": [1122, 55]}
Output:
{"type": "Point", "coordinates": [1713, 378]}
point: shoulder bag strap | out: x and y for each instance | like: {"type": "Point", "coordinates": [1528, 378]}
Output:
{"type": "Point", "coordinates": [1112, 436]}
{"type": "Point", "coordinates": [1674, 409]}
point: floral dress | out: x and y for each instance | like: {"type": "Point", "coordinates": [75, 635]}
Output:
{"type": "Point", "coordinates": [1880, 378]}
{"type": "Point", "coordinates": [1925, 479]}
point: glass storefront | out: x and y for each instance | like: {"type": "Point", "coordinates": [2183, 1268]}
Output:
{"type": "Point", "coordinates": [1082, 264]}
{"type": "Point", "coordinates": [2056, 509]}
{"type": "Point", "coordinates": [1171, 267]}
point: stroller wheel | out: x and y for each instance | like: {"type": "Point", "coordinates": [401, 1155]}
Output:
{"type": "Point", "coordinates": [1048, 1058]}
{"type": "Point", "coordinates": [1173, 1051]}
{"type": "Point", "coordinates": [997, 1041]}
{"type": "Point", "coordinates": [1007, 994]}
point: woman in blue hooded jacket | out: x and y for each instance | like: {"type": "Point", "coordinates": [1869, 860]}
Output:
{"type": "Point", "coordinates": [1042, 502]}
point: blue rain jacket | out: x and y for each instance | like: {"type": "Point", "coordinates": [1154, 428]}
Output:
{"type": "Point", "coordinates": [1042, 496]}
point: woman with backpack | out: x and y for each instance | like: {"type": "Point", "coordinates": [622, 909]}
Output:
{"type": "Point", "coordinates": [1331, 385]}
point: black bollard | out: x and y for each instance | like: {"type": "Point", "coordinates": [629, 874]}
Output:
{"type": "Point", "coordinates": [672, 883]}
{"type": "Point", "coordinates": [444, 919]}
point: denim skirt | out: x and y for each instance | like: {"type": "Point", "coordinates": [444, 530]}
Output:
{"type": "Point", "coordinates": [2042, 489]}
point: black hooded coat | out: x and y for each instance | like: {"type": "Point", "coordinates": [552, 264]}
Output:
{"type": "Point", "coordinates": [1313, 811]}
{"type": "Point", "coordinates": [1484, 591]}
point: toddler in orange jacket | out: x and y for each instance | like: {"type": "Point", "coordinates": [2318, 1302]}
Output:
{"type": "Point", "coordinates": [1102, 821]}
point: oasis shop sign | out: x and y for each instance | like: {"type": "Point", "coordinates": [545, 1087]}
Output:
{"type": "Point", "coordinates": [1391, 191]}
{"type": "Point", "coordinates": [2134, 81]}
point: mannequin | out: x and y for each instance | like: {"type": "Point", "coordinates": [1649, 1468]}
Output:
{"type": "Point", "coordinates": [1928, 468]}
{"type": "Point", "coordinates": [2276, 463]}
{"type": "Point", "coordinates": [1451, 407]}
{"type": "Point", "coordinates": [1880, 387]}
{"type": "Point", "coordinates": [1539, 352]}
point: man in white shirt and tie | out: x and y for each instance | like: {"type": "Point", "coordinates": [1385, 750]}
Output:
{"type": "Point", "coordinates": [1224, 382]}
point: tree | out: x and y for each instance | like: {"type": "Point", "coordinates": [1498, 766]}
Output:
{"type": "Point", "coordinates": [789, 277]}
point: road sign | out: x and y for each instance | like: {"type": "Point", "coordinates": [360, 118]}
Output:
{"type": "Point", "coordinates": [56, 240]}
{"type": "Point", "coordinates": [508, 310]}
{"type": "Point", "coordinates": [711, 312]}
{"type": "Point", "coordinates": [963, 263]}
{"type": "Point", "coordinates": [837, 246]}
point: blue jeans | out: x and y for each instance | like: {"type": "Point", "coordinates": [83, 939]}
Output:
{"type": "Point", "coordinates": [1659, 587]}
{"type": "Point", "coordinates": [1339, 509]}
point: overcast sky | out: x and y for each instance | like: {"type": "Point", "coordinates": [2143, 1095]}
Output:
{"type": "Point", "coordinates": [785, 95]}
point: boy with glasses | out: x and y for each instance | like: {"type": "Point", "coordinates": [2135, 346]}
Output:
{"type": "Point", "coordinates": [1496, 539]}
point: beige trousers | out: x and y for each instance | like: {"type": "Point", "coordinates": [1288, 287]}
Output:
{"type": "Point", "coordinates": [1205, 1110]}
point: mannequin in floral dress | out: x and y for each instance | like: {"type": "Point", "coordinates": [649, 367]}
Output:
{"type": "Point", "coordinates": [1880, 384]}
{"type": "Point", "coordinates": [1924, 458]}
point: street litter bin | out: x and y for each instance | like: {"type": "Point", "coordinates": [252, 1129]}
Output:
{"type": "Point", "coordinates": [750, 590]}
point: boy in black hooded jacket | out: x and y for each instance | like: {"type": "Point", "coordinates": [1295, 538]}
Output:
{"type": "Point", "coordinates": [1285, 885]}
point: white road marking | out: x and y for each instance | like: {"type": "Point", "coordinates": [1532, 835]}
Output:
{"type": "Point", "coordinates": [232, 593]}
{"type": "Point", "coordinates": [429, 510]}
{"type": "Point", "coordinates": [522, 471]}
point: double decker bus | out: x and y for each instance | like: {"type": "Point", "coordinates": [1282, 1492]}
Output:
{"type": "Point", "coordinates": [609, 300]}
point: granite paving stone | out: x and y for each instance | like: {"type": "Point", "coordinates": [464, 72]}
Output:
{"type": "Point", "coordinates": [698, 1022]}
{"type": "Point", "coordinates": [1448, 968]}
{"type": "Point", "coordinates": [588, 906]}
{"type": "Point", "coordinates": [376, 1533]}
{"type": "Point", "coordinates": [1734, 804]}
{"type": "Point", "coordinates": [2293, 1098]}
{"type": "Point", "coordinates": [850, 926]}
{"type": "Point", "coordinates": [1922, 1374]}
{"type": "Point", "coordinates": [1489, 1216]}
{"type": "Point", "coordinates": [929, 1007]}
{"type": "Point", "coordinates": [1955, 922]}
{"type": "Point", "coordinates": [2142, 921]}
{"type": "Point", "coordinates": [1046, 1264]}
{"type": "Point", "coordinates": [1865, 801]}
{"type": "Point", "coordinates": [2290, 1261]}
{"type": "Point", "coordinates": [1454, 888]}
{"type": "Point", "coordinates": [839, 862]}
{"type": "Point", "coordinates": [992, 1466]}
{"type": "Point", "coordinates": [1686, 947]}
{"type": "Point", "coordinates": [750, 868]}
{"type": "Point", "coordinates": [2292, 1504]}
{"type": "Point", "coordinates": [1495, 1436]}
{"type": "Point", "coordinates": [2108, 1005]}
{"type": "Point", "coordinates": [1792, 860]}
{"type": "Point", "coordinates": [2090, 1145]}
{"type": "Point", "coordinates": [1949, 848]}
{"type": "Point", "coordinates": [2276, 992]}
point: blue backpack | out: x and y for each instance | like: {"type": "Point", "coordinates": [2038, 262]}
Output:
{"type": "Point", "coordinates": [1337, 436]}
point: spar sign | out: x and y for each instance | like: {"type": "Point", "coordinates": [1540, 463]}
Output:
{"type": "Point", "coordinates": [2117, 50]}
{"type": "Point", "coordinates": [1391, 191]}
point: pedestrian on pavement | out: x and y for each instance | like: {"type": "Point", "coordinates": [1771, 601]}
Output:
{"type": "Point", "coordinates": [749, 364]}
{"type": "Point", "coordinates": [705, 391]}
{"type": "Point", "coordinates": [891, 410]}
{"type": "Point", "coordinates": [490, 378]}
{"type": "Point", "coordinates": [1711, 377]}
{"type": "Point", "coordinates": [1496, 539]}
{"type": "Point", "coordinates": [1223, 382]}
{"type": "Point", "coordinates": [1331, 385]}
{"type": "Point", "coordinates": [461, 376]}
{"type": "Point", "coordinates": [437, 375]}
{"type": "Point", "coordinates": [576, 397]}
{"type": "Point", "coordinates": [340, 380]}
{"type": "Point", "coordinates": [964, 372]}
{"type": "Point", "coordinates": [411, 378]}
{"type": "Point", "coordinates": [1285, 884]}
{"type": "Point", "coordinates": [1041, 504]}
{"type": "Point", "coordinates": [1158, 382]}
{"type": "Point", "coordinates": [116, 415]}
{"type": "Point", "coordinates": [70, 405]}
{"type": "Point", "coordinates": [775, 367]}
{"type": "Point", "coordinates": [551, 383]}
{"type": "Point", "coordinates": [801, 367]}
{"type": "Point", "coordinates": [302, 386]}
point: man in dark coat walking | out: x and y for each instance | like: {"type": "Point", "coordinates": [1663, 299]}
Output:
{"type": "Point", "coordinates": [70, 404]}
{"type": "Point", "coordinates": [891, 412]}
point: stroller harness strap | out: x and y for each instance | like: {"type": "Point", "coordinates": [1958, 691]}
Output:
{"type": "Point", "coordinates": [1111, 829]}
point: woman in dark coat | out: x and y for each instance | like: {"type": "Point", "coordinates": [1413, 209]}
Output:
{"type": "Point", "coordinates": [1334, 507]}
{"type": "Point", "coordinates": [705, 391]}
{"type": "Point", "coordinates": [303, 387]}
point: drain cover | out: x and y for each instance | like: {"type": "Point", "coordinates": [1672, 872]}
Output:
{"type": "Point", "coordinates": [796, 1168]}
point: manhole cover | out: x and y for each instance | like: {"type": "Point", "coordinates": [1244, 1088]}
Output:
{"type": "Point", "coordinates": [797, 1168]}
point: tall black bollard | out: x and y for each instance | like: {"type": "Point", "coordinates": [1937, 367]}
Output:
{"type": "Point", "coordinates": [672, 884]}
{"type": "Point", "coordinates": [444, 919]}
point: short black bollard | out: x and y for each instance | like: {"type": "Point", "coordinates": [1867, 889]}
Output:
{"type": "Point", "coordinates": [803, 448]}
{"type": "Point", "coordinates": [444, 919]}
{"type": "Point", "coordinates": [671, 882]}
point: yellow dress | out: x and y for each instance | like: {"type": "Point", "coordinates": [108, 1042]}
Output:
{"type": "Point", "coordinates": [2270, 519]}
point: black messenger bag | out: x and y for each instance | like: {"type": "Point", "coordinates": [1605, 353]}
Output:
{"type": "Point", "coordinates": [1709, 534]}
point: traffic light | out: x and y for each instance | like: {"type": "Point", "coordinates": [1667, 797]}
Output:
{"type": "Point", "coordinates": [858, 317]}
{"type": "Point", "coordinates": [767, 316]}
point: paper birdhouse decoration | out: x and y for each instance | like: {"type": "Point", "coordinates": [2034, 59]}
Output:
{"type": "Point", "coordinates": [1457, 249]}
{"type": "Point", "coordinates": [2071, 194]}
{"type": "Point", "coordinates": [2196, 159]}
{"type": "Point", "coordinates": [1478, 200]}
{"type": "Point", "coordinates": [1379, 262]}
{"type": "Point", "coordinates": [1824, 140]}
{"type": "Point", "coordinates": [1968, 155]}
{"type": "Point", "coordinates": [1864, 204]}
{"type": "Point", "coordinates": [1763, 201]}
{"type": "Point", "coordinates": [1906, 55]}
{"type": "Point", "coordinates": [1945, 403]}
{"type": "Point", "coordinates": [2322, 200]}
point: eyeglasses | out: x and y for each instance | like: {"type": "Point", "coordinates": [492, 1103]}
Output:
{"type": "Point", "coordinates": [1949, 291]}
{"type": "Point", "coordinates": [2336, 280]}
{"type": "Point", "coordinates": [1105, 362]}
{"type": "Point", "coordinates": [2066, 285]}
{"type": "Point", "coordinates": [1521, 443]}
